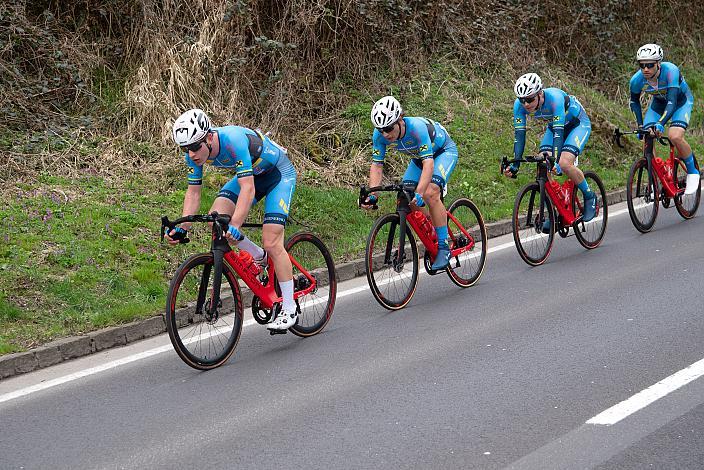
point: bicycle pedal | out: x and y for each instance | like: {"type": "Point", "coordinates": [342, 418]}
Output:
{"type": "Point", "coordinates": [277, 332]}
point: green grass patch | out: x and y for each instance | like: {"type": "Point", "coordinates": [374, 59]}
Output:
{"type": "Point", "coordinates": [78, 254]}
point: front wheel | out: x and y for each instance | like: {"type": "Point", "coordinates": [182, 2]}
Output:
{"type": "Point", "coordinates": [311, 255]}
{"type": "Point", "coordinates": [590, 234]}
{"type": "Point", "coordinates": [642, 196]}
{"type": "Point", "coordinates": [687, 204]}
{"type": "Point", "coordinates": [202, 338]}
{"type": "Point", "coordinates": [392, 272]}
{"type": "Point", "coordinates": [466, 225]}
{"type": "Point", "coordinates": [533, 232]}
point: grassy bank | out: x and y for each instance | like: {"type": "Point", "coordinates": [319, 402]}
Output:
{"type": "Point", "coordinates": [82, 252]}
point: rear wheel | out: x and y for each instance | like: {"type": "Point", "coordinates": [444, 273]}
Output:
{"type": "Point", "coordinates": [393, 280]}
{"type": "Point", "coordinates": [590, 234]}
{"type": "Point", "coordinates": [203, 340]}
{"type": "Point", "coordinates": [642, 196]}
{"type": "Point", "coordinates": [532, 244]}
{"type": "Point", "coordinates": [466, 269]}
{"type": "Point", "coordinates": [687, 205]}
{"type": "Point", "coordinates": [314, 309]}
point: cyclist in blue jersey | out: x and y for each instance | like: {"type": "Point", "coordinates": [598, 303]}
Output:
{"type": "Point", "coordinates": [433, 158]}
{"type": "Point", "coordinates": [262, 169]}
{"type": "Point", "coordinates": [672, 99]}
{"type": "Point", "coordinates": [566, 135]}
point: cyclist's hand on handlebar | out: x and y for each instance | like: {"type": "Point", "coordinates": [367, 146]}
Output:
{"type": "Point", "coordinates": [418, 200]}
{"type": "Point", "coordinates": [175, 236]}
{"type": "Point", "coordinates": [659, 130]}
{"type": "Point", "coordinates": [369, 202]}
{"type": "Point", "coordinates": [511, 171]}
{"type": "Point", "coordinates": [233, 234]}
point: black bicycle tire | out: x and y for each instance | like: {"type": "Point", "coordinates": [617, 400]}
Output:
{"type": "Point", "coordinates": [640, 226]}
{"type": "Point", "coordinates": [533, 261]}
{"type": "Point", "coordinates": [604, 209]}
{"type": "Point", "coordinates": [454, 277]}
{"type": "Point", "coordinates": [298, 329]}
{"type": "Point", "coordinates": [368, 263]}
{"type": "Point", "coordinates": [172, 325]}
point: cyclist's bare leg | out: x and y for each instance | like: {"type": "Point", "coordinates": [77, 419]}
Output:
{"type": "Point", "coordinates": [273, 241]}
{"type": "Point", "coordinates": [438, 214]}
{"type": "Point", "coordinates": [676, 136]}
{"type": "Point", "coordinates": [567, 160]}
{"type": "Point", "coordinates": [223, 205]}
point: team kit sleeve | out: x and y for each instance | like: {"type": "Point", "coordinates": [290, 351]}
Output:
{"type": "Point", "coordinates": [672, 77]}
{"type": "Point", "coordinates": [636, 86]}
{"type": "Point", "coordinates": [195, 172]}
{"type": "Point", "coordinates": [558, 127]}
{"type": "Point", "coordinates": [419, 131]}
{"type": "Point", "coordinates": [243, 159]}
{"type": "Point", "coordinates": [519, 130]}
{"type": "Point", "coordinates": [378, 148]}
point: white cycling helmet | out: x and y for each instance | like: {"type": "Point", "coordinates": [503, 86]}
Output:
{"type": "Point", "coordinates": [528, 85]}
{"type": "Point", "coordinates": [650, 52]}
{"type": "Point", "coordinates": [386, 112]}
{"type": "Point", "coordinates": [191, 127]}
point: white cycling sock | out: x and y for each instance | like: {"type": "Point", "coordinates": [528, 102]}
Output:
{"type": "Point", "coordinates": [287, 295]}
{"type": "Point", "coordinates": [252, 248]}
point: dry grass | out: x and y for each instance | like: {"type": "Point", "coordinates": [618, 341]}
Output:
{"type": "Point", "coordinates": [285, 66]}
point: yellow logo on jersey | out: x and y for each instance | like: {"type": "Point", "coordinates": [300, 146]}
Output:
{"type": "Point", "coordinates": [442, 171]}
{"type": "Point", "coordinates": [191, 170]}
{"type": "Point", "coordinates": [239, 163]}
{"type": "Point", "coordinates": [376, 152]}
{"type": "Point", "coordinates": [423, 148]}
{"type": "Point", "coordinates": [519, 120]}
{"type": "Point", "coordinates": [555, 118]}
{"type": "Point", "coordinates": [283, 206]}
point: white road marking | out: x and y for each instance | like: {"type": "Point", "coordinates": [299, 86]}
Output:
{"type": "Point", "coordinates": [645, 397]}
{"type": "Point", "coordinates": [165, 348]}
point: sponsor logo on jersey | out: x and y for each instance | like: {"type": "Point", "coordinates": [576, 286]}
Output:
{"type": "Point", "coordinates": [555, 118]}
{"type": "Point", "coordinates": [423, 148]}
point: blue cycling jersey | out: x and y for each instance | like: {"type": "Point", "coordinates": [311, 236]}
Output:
{"type": "Point", "coordinates": [671, 90]}
{"type": "Point", "coordinates": [249, 152]}
{"type": "Point", "coordinates": [423, 139]}
{"type": "Point", "coordinates": [559, 109]}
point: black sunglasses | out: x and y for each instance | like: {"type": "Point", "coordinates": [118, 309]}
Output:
{"type": "Point", "coordinates": [528, 99]}
{"type": "Point", "coordinates": [649, 65]}
{"type": "Point", "coordinates": [194, 147]}
{"type": "Point", "coordinates": [387, 129]}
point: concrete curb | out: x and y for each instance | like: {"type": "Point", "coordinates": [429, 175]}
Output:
{"type": "Point", "coordinates": [73, 347]}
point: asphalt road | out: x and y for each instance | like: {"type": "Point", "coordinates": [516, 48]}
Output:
{"type": "Point", "coordinates": [508, 373]}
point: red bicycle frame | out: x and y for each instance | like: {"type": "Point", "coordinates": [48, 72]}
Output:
{"type": "Point", "coordinates": [266, 292]}
{"type": "Point", "coordinates": [665, 171]}
{"type": "Point", "coordinates": [425, 230]}
{"type": "Point", "coordinates": [561, 197]}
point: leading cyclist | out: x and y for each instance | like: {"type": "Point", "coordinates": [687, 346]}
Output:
{"type": "Point", "coordinates": [433, 158]}
{"type": "Point", "coordinates": [672, 99]}
{"type": "Point", "coordinates": [262, 170]}
{"type": "Point", "coordinates": [567, 133]}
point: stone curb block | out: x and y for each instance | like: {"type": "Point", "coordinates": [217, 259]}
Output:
{"type": "Point", "coordinates": [71, 348]}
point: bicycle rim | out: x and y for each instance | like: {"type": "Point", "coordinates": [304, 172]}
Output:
{"type": "Point", "coordinates": [590, 234]}
{"type": "Point", "coordinates": [687, 204]}
{"type": "Point", "coordinates": [642, 195]}
{"type": "Point", "coordinates": [202, 341]}
{"type": "Point", "coordinates": [392, 283]}
{"type": "Point", "coordinates": [315, 308]}
{"type": "Point", "coordinates": [532, 244]}
{"type": "Point", "coordinates": [466, 269]}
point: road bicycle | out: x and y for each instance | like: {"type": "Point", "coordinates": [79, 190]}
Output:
{"type": "Point", "coordinates": [204, 316]}
{"type": "Point", "coordinates": [651, 179]}
{"type": "Point", "coordinates": [391, 259]}
{"type": "Point", "coordinates": [545, 200]}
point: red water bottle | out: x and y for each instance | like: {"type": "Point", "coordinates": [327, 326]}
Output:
{"type": "Point", "coordinates": [248, 262]}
